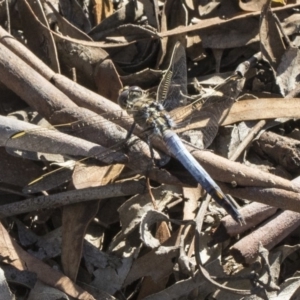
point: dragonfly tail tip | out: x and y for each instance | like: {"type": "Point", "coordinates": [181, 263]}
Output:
{"type": "Point", "coordinates": [225, 202]}
{"type": "Point", "coordinates": [241, 220]}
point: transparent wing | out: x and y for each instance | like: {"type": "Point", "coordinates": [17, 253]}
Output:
{"type": "Point", "coordinates": [172, 89]}
{"type": "Point", "coordinates": [36, 143]}
{"type": "Point", "coordinates": [206, 114]}
{"type": "Point", "coordinates": [33, 142]}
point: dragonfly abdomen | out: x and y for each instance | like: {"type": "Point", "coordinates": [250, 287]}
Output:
{"type": "Point", "coordinates": [177, 148]}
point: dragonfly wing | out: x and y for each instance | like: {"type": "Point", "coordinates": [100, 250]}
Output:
{"type": "Point", "coordinates": [30, 139]}
{"type": "Point", "coordinates": [208, 114]}
{"type": "Point", "coordinates": [38, 143]}
{"type": "Point", "coordinates": [172, 89]}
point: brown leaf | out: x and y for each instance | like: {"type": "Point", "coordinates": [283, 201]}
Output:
{"type": "Point", "coordinates": [288, 70]}
{"type": "Point", "coordinates": [149, 286]}
{"type": "Point", "coordinates": [66, 28]}
{"type": "Point", "coordinates": [107, 80]}
{"type": "Point", "coordinates": [102, 9]}
{"type": "Point", "coordinates": [90, 176]}
{"type": "Point", "coordinates": [151, 264]}
{"type": "Point", "coordinates": [40, 40]}
{"type": "Point", "coordinates": [75, 220]}
{"type": "Point", "coordinates": [253, 5]}
{"type": "Point", "coordinates": [83, 57]}
{"type": "Point", "coordinates": [129, 13]}
{"type": "Point", "coordinates": [264, 108]}
{"type": "Point", "coordinates": [75, 14]}
{"type": "Point", "coordinates": [22, 260]}
{"type": "Point", "coordinates": [272, 45]}
{"type": "Point", "coordinates": [17, 171]}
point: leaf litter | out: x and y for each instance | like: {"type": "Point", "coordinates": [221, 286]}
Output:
{"type": "Point", "coordinates": [98, 233]}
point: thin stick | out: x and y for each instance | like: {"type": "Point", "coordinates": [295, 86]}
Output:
{"type": "Point", "coordinates": [244, 144]}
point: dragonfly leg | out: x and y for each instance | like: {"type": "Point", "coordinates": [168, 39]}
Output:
{"type": "Point", "coordinates": [151, 149]}
{"type": "Point", "coordinates": [159, 162]}
{"type": "Point", "coordinates": [129, 134]}
{"type": "Point", "coordinates": [148, 133]}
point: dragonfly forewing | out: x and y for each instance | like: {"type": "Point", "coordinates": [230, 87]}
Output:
{"type": "Point", "coordinates": [34, 140]}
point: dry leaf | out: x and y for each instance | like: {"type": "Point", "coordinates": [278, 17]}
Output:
{"type": "Point", "coordinates": [22, 260]}
{"type": "Point", "coordinates": [132, 45]}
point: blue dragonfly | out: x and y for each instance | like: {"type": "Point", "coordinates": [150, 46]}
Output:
{"type": "Point", "coordinates": [167, 113]}
{"type": "Point", "coordinates": [152, 115]}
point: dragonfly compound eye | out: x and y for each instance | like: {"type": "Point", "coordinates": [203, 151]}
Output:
{"type": "Point", "coordinates": [135, 92]}
{"type": "Point", "coordinates": [123, 97]}
{"type": "Point", "coordinates": [128, 94]}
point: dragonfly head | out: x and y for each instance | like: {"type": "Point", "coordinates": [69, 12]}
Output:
{"type": "Point", "coordinates": [128, 94]}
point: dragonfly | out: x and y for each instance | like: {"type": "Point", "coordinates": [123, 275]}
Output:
{"type": "Point", "coordinates": [151, 114]}
{"type": "Point", "coordinates": [159, 118]}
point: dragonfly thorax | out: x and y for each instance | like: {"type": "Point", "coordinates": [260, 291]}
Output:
{"type": "Point", "coordinates": [147, 112]}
